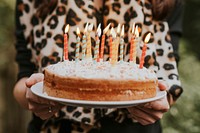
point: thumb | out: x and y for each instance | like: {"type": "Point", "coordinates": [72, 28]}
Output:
{"type": "Point", "coordinates": [162, 85]}
{"type": "Point", "coordinates": [33, 79]}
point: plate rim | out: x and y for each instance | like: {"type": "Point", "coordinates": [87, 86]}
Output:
{"type": "Point", "coordinates": [87, 103]}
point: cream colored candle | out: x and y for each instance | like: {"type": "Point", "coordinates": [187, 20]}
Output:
{"type": "Point", "coordinates": [89, 43]}
{"type": "Point", "coordinates": [132, 44]}
{"type": "Point", "coordinates": [121, 55]}
{"type": "Point", "coordinates": [77, 45]}
{"type": "Point", "coordinates": [96, 49]}
{"type": "Point", "coordinates": [116, 43]}
{"type": "Point", "coordinates": [103, 41]}
{"type": "Point", "coordinates": [113, 47]}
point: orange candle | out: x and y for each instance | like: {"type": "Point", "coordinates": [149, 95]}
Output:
{"type": "Point", "coordinates": [102, 46]}
{"type": "Point", "coordinates": [144, 48]}
{"type": "Point", "coordinates": [66, 43]}
{"type": "Point", "coordinates": [111, 43]}
{"type": "Point", "coordinates": [103, 41]}
{"type": "Point", "coordinates": [113, 47]}
{"type": "Point", "coordinates": [132, 47]}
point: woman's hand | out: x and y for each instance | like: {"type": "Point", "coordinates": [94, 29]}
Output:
{"type": "Point", "coordinates": [150, 112]}
{"type": "Point", "coordinates": [42, 108]}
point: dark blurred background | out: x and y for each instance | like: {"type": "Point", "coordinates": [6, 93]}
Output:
{"type": "Point", "coordinates": [184, 117]}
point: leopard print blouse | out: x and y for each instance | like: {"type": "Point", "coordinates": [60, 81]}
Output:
{"type": "Point", "coordinates": [41, 42]}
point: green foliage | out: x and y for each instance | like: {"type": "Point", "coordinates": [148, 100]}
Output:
{"type": "Point", "coordinates": [191, 26]}
{"type": "Point", "coordinates": [6, 23]}
{"type": "Point", "coordinates": [6, 31]}
{"type": "Point", "coordinates": [184, 116]}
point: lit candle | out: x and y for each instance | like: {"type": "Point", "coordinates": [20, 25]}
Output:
{"type": "Point", "coordinates": [77, 45]}
{"type": "Point", "coordinates": [116, 44]}
{"type": "Point", "coordinates": [122, 45]}
{"type": "Point", "coordinates": [110, 43]}
{"type": "Point", "coordinates": [103, 41]}
{"type": "Point", "coordinates": [144, 48]}
{"type": "Point", "coordinates": [96, 49]}
{"type": "Point", "coordinates": [136, 41]}
{"type": "Point", "coordinates": [133, 28]}
{"type": "Point", "coordinates": [89, 43]}
{"type": "Point", "coordinates": [132, 44]}
{"type": "Point", "coordinates": [66, 43]}
{"type": "Point", "coordinates": [113, 47]}
{"type": "Point", "coordinates": [84, 41]}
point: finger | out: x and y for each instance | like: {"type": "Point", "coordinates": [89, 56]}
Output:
{"type": "Point", "coordinates": [44, 116]}
{"type": "Point", "coordinates": [35, 107]}
{"type": "Point", "coordinates": [153, 113]}
{"type": "Point", "coordinates": [141, 120]}
{"type": "Point", "coordinates": [47, 112]}
{"type": "Point", "coordinates": [162, 85]}
{"type": "Point", "coordinates": [33, 98]}
{"type": "Point", "coordinates": [33, 79]}
{"type": "Point", "coordinates": [140, 114]}
{"type": "Point", "coordinates": [159, 105]}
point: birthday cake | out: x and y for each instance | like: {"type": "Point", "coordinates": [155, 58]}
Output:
{"type": "Point", "coordinates": [85, 80]}
{"type": "Point", "coordinates": [98, 80]}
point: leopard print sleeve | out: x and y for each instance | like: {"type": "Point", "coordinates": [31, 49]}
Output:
{"type": "Point", "coordinates": [23, 54]}
{"type": "Point", "coordinates": [163, 55]}
{"type": "Point", "coordinates": [167, 70]}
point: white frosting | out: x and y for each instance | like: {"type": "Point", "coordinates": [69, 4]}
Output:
{"type": "Point", "coordinates": [101, 70]}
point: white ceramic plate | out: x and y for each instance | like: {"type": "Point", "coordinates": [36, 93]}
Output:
{"type": "Point", "coordinates": [37, 89]}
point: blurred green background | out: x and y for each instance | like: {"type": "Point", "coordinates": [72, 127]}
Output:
{"type": "Point", "coordinates": [184, 117]}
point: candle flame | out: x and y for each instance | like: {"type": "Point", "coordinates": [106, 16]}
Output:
{"type": "Point", "coordinates": [133, 28]}
{"type": "Point", "coordinates": [118, 28]}
{"type": "Point", "coordinates": [122, 32]}
{"type": "Point", "coordinates": [99, 30]}
{"type": "Point", "coordinates": [113, 33]}
{"type": "Point", "coordinates": [86, 27]}
{"type": "Point", "coordinates": [147, 38]}
{"type": "Point", "coordinates": [90, 27]}
{"type": "Point", "coordinates": [106, 29]}
{"type": "Point", "coordinates": [78, 31]}
{"type": "Point", "coordinates": [136, 31]}
{"type": "Point", "coordinates": [67, 28]}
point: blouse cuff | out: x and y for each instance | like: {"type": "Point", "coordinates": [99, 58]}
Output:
{"type": "Point", "coordinates": [174, 93]}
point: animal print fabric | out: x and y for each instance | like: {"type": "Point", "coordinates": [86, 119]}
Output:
{"type": "Point", "coordinates": [44, 38]}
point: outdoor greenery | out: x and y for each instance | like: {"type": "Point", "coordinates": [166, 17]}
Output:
{"type": "Point", "coordinates": [182, 117]}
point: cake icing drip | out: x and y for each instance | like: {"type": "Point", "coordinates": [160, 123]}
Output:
{"type": "Point", "coordinates": [101, 70]}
